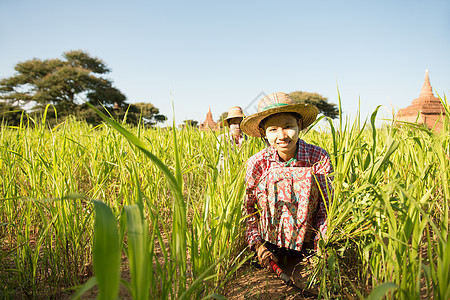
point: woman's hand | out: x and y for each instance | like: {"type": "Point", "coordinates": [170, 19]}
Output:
{"type": "Point", "coordinates": [264, 256]}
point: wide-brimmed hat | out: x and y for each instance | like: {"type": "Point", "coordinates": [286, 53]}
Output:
{"type": "Point", "coordinates": [233, 112]}
{"type": "Point", "coordinates": [278, 103]}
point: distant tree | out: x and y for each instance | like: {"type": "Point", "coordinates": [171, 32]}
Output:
{"type": "Point", "coordinates": [10, 114]}
{"type": "Point", "coordinates": [222, 117]}
{"type": "Point", "coordinates": [146, 113]}
{"type": "Point", "coordinates": [62, 83]}
{"type": "Point", "coordinates": [327, 109]}
{"type": "Point", "coordinates": [190, 123]}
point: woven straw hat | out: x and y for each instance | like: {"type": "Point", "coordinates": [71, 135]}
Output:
{"type": "Point", "coordinates": [278, 103]}
{"type": "Point", "coordinates": [234, 112]}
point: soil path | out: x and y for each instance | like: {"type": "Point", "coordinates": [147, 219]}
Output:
{"type": "Point", "coordinates": [250, 282]}
{"type": "Point", "coordinates": [253, 282]}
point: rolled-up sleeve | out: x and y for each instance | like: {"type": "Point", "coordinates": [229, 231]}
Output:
{"type": "Point", "coordinates": [323, 170]}
{"type": "Point", "coordinates": [254, 172]}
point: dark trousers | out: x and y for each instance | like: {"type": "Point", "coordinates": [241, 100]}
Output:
{"type": "Point", "coordinates": [281, 253]}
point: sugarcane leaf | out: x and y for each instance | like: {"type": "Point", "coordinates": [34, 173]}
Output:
{"type": "Point", "coordinates": [106, 252]}
{"type": "Point", "coordinates": [380, 291]}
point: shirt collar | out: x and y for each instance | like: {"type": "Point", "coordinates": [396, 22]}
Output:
{"type": "Point", "coordinates": [273, 154]}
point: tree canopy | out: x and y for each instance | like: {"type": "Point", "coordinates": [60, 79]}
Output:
{"type": "Point", "coordinates": [144, 113]}
{"type": "Point", "coordinates": [10, 114]}
{"type": "Point", "coordinates": [327, 109]}
{"type": "Point", "coordinates": [222, 117]}
{"type": "Point", "coordinates": [190, 123]}
{"type": "Point", "coordinates": [61, 82]}
{"type": "Point", "coordinates": [68, 84]}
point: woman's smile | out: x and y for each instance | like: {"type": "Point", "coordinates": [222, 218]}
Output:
{"type": "Point", "coordinates": [282, 133]}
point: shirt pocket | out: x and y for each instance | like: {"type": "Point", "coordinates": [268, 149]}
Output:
{"type": "Point", "coordinates": [280, 188]}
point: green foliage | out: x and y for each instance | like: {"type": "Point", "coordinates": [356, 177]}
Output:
{"type": "Point", "coordinates": [325, 108]}
{"type": "Point", "coordinates": [389, 219]}
{"type": "Point", "coordinates": [65, 83]}
{"type": "Point", "coordinates": [222, 117]}
{"type": "Point", "coordinates": [179, 220]}
{"type": "Point", "coordinates": [61, 82]}
{"type": "Point", "coordinates": [106, 252]}
{"type": "Point", "coordinates": [189, 123]}
{"type": "Point", "coordinates": [380, 291]}
{"type": "Point", "coordinates": [143, 113]}
{"type": "Point", "coordinates": [10, 114]}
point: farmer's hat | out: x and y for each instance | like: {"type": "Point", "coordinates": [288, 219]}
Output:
{"type": "Point", "coordinates": [278, 103]}
{"type": "Point", "coordinates": [234, 112]}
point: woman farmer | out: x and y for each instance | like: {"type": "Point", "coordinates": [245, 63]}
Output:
{"type": "Point", "coordinates": [233, 121]}
{"type": "Point", "coordinates": [235, 137]}
{"type": "Point", "coordinates": [288, 187]}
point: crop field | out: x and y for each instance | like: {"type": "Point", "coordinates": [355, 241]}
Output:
{"type": "Point", "coordinates": [129, 212]}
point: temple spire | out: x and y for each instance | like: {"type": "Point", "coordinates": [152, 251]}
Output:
{"type": "Point", "coordinates": [427, 91]}
{"type": "Point", "coordinates": [209, 123]}
{"type": "Point", "coordinates": [209, 117]}
{"type": "Point", "coordinates": [426, 109]}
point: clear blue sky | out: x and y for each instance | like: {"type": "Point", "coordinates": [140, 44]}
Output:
{"type": "Point", "coordinates": [221, 54]}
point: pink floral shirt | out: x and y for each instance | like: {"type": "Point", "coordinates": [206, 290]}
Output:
{"type": "Point", "coordinates": [285, 212]}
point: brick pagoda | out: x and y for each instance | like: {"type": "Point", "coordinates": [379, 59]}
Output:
{"type": "Point", "coordinates": [209, 123]}
{"type": "Point", "coordinates": [425, 110]}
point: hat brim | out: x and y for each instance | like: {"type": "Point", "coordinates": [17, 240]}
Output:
{"type": "Point", "coordinates": [308, 112]}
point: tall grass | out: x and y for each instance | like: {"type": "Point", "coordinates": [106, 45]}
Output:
{"type": "Point", "coordinates": [212, 234]}
{"type": "Point", "coordinates": [176, 219]}
{"type": "Point", "coordinates": [389, 218]}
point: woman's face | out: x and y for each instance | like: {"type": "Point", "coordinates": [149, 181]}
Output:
{"type": "Point", "coordinates": [282, 133]}
{"type": "Point", "coordinates": [235, 126]}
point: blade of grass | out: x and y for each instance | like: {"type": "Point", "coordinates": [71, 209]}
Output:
{"type": "Point", "coordinates": [106, 252]}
